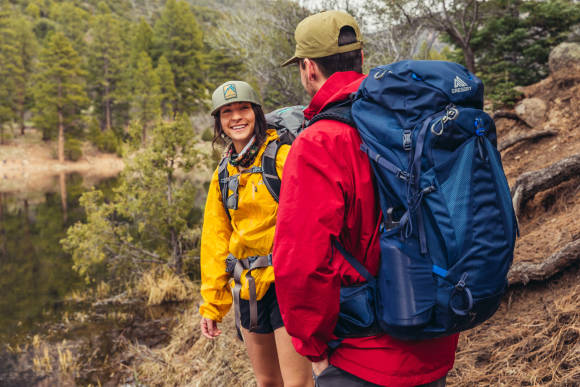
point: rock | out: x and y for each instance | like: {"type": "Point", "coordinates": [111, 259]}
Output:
{"type": "Point", "coordinates": [531, 111]}
{"type": "Point", "coordinates": [564, 61]}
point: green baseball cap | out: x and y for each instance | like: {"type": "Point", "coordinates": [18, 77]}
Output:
{"type": "Point", "coordinates": [317, 36]}
{"type": "Point", "coordinates": [233, 91]}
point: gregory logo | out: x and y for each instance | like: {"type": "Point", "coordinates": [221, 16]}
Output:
{"type": "Point", "coordinates": [230, 91]}
{"type": "Point", "coordinates": [459, 86]}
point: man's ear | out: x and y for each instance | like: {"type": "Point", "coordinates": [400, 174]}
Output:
{"type": "Point", "coordinates": [311, 69]}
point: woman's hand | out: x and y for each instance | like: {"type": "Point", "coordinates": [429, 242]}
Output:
{"type": "Point", "coordinates": [209, 328]}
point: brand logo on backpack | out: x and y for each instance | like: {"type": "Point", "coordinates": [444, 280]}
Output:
{"type": "Point", "coordinates": [230, 91]}
{"type": "Point", "coordinates": [459, 86]}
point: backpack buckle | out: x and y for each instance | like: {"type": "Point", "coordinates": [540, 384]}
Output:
{"type": "Point", "coordinates": [389, 223]}
{"type": "Point", "coordinates": [407, 140]}
{"type": "Point", "coordinates": [231, 263]}
{"type": "Point", "coordinates": [403, 175]}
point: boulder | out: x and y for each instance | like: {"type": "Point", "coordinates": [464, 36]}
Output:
{"type": "Point", "coordinates": [564, 61]}
{"type": "Point", "coordinates": [531, 111]}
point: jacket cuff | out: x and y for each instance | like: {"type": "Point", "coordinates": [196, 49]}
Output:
{"type": "Point", "coordinates": [318, 358]}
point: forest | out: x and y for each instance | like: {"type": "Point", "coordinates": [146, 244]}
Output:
{"type": "Point", "coordinates": [133, 78]}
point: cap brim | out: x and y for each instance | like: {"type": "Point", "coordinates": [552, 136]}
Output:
{"type": "Point", "coordinates": [294, 59]}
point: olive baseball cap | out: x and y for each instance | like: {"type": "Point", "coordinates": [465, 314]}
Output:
{"type": "Point", "coordinates": [317, 36]}
{"type": "Point", "coordinates": [233, 91]}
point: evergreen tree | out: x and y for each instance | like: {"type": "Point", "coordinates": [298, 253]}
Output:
{"type": "Point", "coordinates": [513, 46]}
{"type": "Point", "coordinates": [177, 36]}
{"type": "Point", "coordinates": [142, 39]}
{"type": "Point", "coordinates": [168, 93]}
{"type": "Point", "coordinates": [27, 49]}
{"type": "Point", "coordinates": [108, 66]}
{"type": "Point", "coordinates": [59, 89]}
{"type": "Point", "coordinates": [11, 71]}
{"type": "Point", "coordinates": [72, 21]}
{"type": "Point", "coordinates": [146, 95]}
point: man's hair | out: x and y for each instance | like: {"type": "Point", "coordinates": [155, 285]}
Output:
{"type": "Point", "coordinates": [260, 127]}
{"type": "Point", "coordinates": [347, 61]}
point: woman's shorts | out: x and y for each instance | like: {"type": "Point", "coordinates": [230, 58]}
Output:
{"type": "Point", "coordinates": [269, 318]}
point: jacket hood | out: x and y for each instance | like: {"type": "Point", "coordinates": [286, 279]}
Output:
{"type": "Point", "coordinates": [336, 88]}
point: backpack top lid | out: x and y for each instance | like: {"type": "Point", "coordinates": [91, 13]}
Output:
{"type": "Point", "coordinates": [290, 118]}
{"type": "Point", "coordinates": [411, 89]}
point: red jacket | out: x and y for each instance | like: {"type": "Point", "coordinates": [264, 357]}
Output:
{"type": "Point", "coordinates": [328, 190]}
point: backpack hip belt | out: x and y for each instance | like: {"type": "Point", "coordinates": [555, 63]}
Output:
{"type": "Point", "coordinates": [235, 267]}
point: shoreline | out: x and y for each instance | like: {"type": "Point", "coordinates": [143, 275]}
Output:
{"type": "Point", "coordinates": [28, 164]}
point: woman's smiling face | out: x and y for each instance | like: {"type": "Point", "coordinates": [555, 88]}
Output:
{"type": "Point", "coordinates": [237, 120]}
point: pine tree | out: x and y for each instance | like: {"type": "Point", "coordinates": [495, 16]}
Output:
{"type": "Point", "coordinates": [108, 67]}
{"type": "Point", "coordinates": [11, 71]}
{"type": "Point", "coordinates": [177, 36]}
{"type": "Point", "coordinates": [59, 89]}
{"type": "Point", "coordinates": [72, 21]}
{"type": "Point", "coordinates": [146, 95]}
{"type": "Point", "coordinates": [167, 89]}
{"type": "Point", "coordinates": [513, 45]}
{"type": "Point", "coordinates": [141, 39]}
{"type": "Point", "coordinates": [27, 50]}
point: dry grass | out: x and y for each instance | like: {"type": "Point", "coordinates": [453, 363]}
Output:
{"type": "Point", "coordinates": [163, 285]}
{"type": "Point", "coordinates": [191, 360]}
{"type": "Point", "coordinates": [533, 340]}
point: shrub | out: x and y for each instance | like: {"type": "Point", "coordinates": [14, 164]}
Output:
{"type": "Point", "coordinates": [73, 149]}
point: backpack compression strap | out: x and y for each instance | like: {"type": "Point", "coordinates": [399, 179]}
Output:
{"type": "Point", "coordinates": [223, 178]}
{"type": "Point", "coordinates": [270, 174]}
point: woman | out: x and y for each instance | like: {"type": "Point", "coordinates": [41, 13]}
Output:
{"type": "Point", "coordinates": [239, 223]}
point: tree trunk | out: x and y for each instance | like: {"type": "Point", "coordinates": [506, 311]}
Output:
{"type": "Point", "coordinates": [106, 98]}
{"type": "Point", "coordinates": [60, 127]}
{"type": "Point", "coordinates": [469, 58]}
{"type": "Point", "coordinates": [21, 102]}
{"type": "Point", "coordinates": [176, 256]}
{"type": "Point", "coordinates": [63, 196]}
{"type": "Point", "coordinates": [144, 135]}
{"type": "Point", "coordinates": [60, 136]}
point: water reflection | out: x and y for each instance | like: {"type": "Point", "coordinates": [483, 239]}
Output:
{"type": "Point", "coordinates": [35, 274]}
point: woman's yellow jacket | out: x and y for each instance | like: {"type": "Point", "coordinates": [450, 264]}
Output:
{"type": "Point", "coordinates": [250, 232]}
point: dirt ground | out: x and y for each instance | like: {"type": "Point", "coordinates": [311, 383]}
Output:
{"type": "Point", "coordinates": [27, 164]}
{"type": "Point", "coordinates": [552, 219]}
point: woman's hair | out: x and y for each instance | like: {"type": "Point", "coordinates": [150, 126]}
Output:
{"type": "Point", "coordinates": [260, 127]}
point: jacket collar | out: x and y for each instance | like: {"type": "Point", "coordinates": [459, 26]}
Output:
{"type": "Point", "coordinates": [336, 88]}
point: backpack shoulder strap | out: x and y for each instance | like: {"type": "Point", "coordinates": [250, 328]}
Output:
{"type": "Point", "coordinates": [270, 175]}
{"type": "Point", "coordinates": [223, 176]}
{"type": "Point", "coordinates": [340, 112]}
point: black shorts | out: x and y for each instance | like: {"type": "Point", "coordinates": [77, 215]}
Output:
{"type": "Point", "coordinates": [269, 318]}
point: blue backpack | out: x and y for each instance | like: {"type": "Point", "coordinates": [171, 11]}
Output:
{"type": "Point", "coordinates": [448, 229]}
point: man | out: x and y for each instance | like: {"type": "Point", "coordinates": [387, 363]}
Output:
{"type": "Point", "coordinates": [328, 192]}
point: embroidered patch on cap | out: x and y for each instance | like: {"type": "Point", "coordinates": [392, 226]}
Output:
{"type": "Point", "coordinates": [230, 91]}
